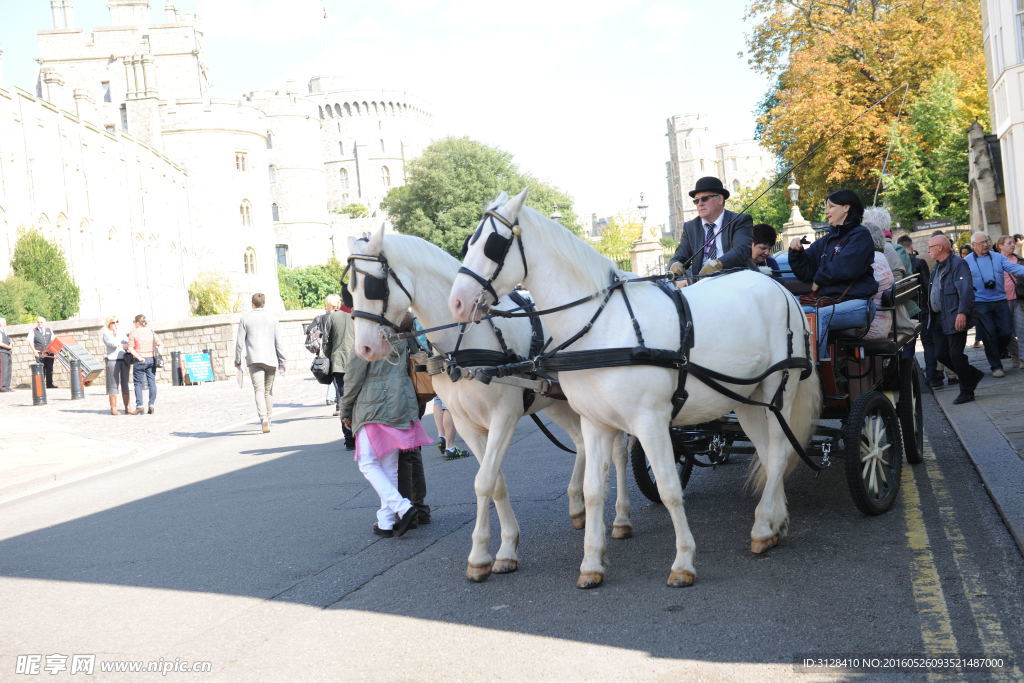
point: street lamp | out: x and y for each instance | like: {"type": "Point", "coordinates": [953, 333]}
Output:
{"type": "Point", "coordinates": [642, 207]}
{"type": "Point", "coordinates": [794, 195]}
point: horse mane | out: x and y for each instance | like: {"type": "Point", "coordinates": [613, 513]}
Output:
{"type": "Point", "coordinates": [576, 255]}
{"type": "Point", "coordinates": [419, 254]}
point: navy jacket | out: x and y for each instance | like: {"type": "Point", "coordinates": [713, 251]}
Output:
{"type": "Point", "coordinates": [840, 259]}
{"type": "Point", "coordinates": [957, 293]}
{"type": "Point", "coordinates": [737, 237]}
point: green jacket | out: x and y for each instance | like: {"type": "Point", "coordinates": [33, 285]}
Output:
{"type": "Point", "coordinates": [338, 339]}
{"type": "Point", "coordinates": [380, 392]}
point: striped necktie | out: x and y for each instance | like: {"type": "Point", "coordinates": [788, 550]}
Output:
{"type": "Point", "coordinates": [710, 249]}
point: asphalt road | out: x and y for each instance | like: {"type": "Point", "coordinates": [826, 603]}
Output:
{"type": "Point", "coordinates": [254, 553]}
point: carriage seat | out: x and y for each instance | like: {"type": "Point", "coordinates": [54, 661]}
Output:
{"type": "Point", "coordinates": [895, 296]}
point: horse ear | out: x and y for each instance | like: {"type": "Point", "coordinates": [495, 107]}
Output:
{"type": "Point", "coordinates": [355, 246]}
{"type": "Point", "coordinates": [376, 241]}
{"type": "Point", "coordinates": [515, 205]}
{"type": "Point", "coordinates": [497, 201]}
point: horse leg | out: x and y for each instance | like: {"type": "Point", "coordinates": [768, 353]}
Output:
{"type": "Point", "coordinates": [766, 476]}
{"type": "Point", "coordinates": [566, 418]}
{"type": "Point", "coordinates": [622, 527]}
{"type": "Point", "coordinates": [657, 444]}
{"type": "Point", "coordinates": [598, 438]}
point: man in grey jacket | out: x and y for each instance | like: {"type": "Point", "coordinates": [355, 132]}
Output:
{"type": "Point", "coordinates": [716, 238]}
{"type": "Point", "coordinates": [259, 340]}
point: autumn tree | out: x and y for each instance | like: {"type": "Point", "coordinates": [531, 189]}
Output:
{"type": "Point", "coordinates": [831, 60]}
{"type": "Point", "coordinates": [449, 185]}
{"type": "Point", "coordinates": [763, 205]}
{"type": "Point", "coordinates": [617, 237]}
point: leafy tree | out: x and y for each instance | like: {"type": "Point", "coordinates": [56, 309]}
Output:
{"type": "Point", "coordinates": [831, 60]}
{"type": "Point", "coordinates": [448, 186]}
{"type": "Point", "coordinates": [355, 210]}
{"type": "Point", "coordinates": [22, 301]}
{"type": "Point", "coordinates": [211, 294]}
{"type": "Point", "coordinates": [306, 287]}
{"type": "Point", "coordinates": [39, 261]}
{"type": "Point", "coordinates": [617, 237]}
{"type": "Point", "coordinates": [928, 178]}
{"type": "Point", "coordinates": [772, 208]}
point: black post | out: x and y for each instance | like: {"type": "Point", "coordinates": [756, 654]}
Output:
{"type": "Point", "coordinates": [75, 368]}
{"type": "Point", "coordinates": [176, 368]}
{"type": "Point", "coordinates": [38, 385]}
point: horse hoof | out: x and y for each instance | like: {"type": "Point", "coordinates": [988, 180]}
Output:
{"type": "Point", "coordinates": [578, 521]}
{"type": "Point", "coordinates": [505, 566]}
{"type": "Point", "coordinates": [590, 580]}
{"type": "Point", "coordinates": [478, 573]}
{"type": "Point", "coordinates": [680, 578]}
{"type": "Point", "coordinates": [620, 531]}
{"type": "Point", "coordinates": [760, 545]}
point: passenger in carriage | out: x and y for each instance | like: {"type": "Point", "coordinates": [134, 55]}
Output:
{"type": "Point", "coordinates": [881, 324]}
{"type": "Point", "coordinates": [761, 250]}
{"type": "Point", "coordinates": [839, 266]}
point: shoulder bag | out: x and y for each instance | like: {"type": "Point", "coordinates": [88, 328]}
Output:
{"type": "Point", "coordinates": [321, 369]}
{"type": "Point", "coordinates": [421, 381]}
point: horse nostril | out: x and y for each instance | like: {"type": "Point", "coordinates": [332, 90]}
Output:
{"type": "Point", "coordinates": [365, 351]}
{"type": "Point", "coordinates": [458, 306]}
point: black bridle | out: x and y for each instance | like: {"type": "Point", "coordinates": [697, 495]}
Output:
{"type": "Point", "coordinates": [374, 288]}
{"type": "Point", "coordinates": [496, 248]}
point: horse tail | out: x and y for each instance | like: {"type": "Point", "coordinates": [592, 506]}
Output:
{"type": "Point", "coordinates": [802, 411]}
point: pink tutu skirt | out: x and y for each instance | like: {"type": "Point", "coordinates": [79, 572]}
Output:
{"type": "Point", "coordinates": [384, 439]}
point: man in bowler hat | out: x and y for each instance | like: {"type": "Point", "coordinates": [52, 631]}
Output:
{"type": "Point", "coordinates": [716, 238]}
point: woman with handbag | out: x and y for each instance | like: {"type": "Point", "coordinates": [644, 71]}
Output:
{"type": "Point", "coordinates": [838, 266]}
{"type": "Point", "coordinates": [116, 344]}
{"type": "Point", "coordinates": [379, 406]}
{"type": "Point", "coordinates": [144, 346]}
{"type": "Point", "coordinates": [1014, 286]}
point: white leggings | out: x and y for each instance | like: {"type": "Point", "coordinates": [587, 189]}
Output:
{"type": "Point", "coordinates": [382, 473]}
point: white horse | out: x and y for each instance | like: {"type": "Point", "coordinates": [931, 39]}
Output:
{"type": "Point", "coordinates": [740, 330]}
{"type": "Point", "coordinates": [484, 414]}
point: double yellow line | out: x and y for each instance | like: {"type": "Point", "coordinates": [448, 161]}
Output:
{"type": "Point", "coordinates": [936, 625]}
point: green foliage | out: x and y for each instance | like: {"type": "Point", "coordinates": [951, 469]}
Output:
{"type": "Point", "coordinates": [669, 244]}
{"type": "Point", "coordinates": [928, 174]}
{"type": "Point", "coordinates": [772, 208]}
{"type": "Point", "coordinates": [211, 294]}
{"type": "Point", "coordinates": [22, 301]}
{"type": "Point", "coordinates": [306, 287]}
{"type": "Point", "coordinates": [617, 237]}
{"type": "Point", "coordinates": [335, 269]}
{"type": "Point", "coordinates": [39, 261]}
{"type": "Point", "coordinates": [449, 185]}
{"type": "Point", "coordinates": [355, 210]}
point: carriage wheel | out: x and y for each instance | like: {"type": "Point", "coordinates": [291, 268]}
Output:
{"type": "Point", "coordinates": [911, 412]}
{"type": "Point", "coordinates": [645, 477]}
{"type": "Point", "coordinates": [873, 453]}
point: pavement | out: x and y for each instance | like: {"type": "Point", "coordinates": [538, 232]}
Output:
{"type": "Point", "coordinates": [67, 440]}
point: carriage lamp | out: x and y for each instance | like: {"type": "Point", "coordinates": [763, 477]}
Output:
{"type": "Point", "coordinates": [793, 189]}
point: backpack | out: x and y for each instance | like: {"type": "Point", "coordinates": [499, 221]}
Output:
{"type": "Point", "coordinates": [314, 335]}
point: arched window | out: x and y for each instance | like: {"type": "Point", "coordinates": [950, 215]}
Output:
{"type": "Point", "coordinates": [321, 111]}
{"type": "Point", "coordinates": [270, 140]}
{"type": "Point", "coordinates": [337, 109]}
{"type": "Point", "coordinates": [249, 261]}
{"type": "Point", "coordinates": [348, 109]}
{"type": "Point", "coordinates": [245, 213]}
{"type": "Point", "coordinates": [343, 178]}
{"type": "Point", "coordinates": [366, 108]}
{"type": "Point", "coordinates": [330, 112]}
{"type": "Point", "coordinates": [272, 172]}
{"type": "Point", "coordinates": [355, 108]}
{"type": "Point", "coordinates": [391, 108]}
{"type": "Point", "coordinates": [275, 212]}
{"type": "Point", "coordinates": [382, 144]}
{"type": "Point", "coordinates": [376, 112]}
{"type": "Point", "coordinates": [341, 148]}
{"type": "Point", "coordinates": [385, 176]}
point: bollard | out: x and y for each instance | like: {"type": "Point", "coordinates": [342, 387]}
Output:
{"type": "Point", "coordinates": [176, 369]}
{"type": "Point", "coordinates": [75, 368]}
{"type": "Point", "coordinates": [38, 385]}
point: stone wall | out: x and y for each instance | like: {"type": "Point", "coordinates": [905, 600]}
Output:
{"type": "Point", "coordinates": [215, 332]}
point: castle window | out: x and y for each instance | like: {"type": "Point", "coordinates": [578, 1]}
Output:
{"type": "Point", "coordinates": [321, 111]}
{"type": "Point", "coordinates": [282, 254]}
{"type": "Point", "coordinates": [240, 161]}
{"type": "Point", "coordinates": [344, 198]}
{"type": "Point", "coordinates": [341, 148]}
{"type": "Point", "coordinates": [272, 173]}
{"type": "Point", "coordinates": [275, 212]}
{"type": "Point", "coordinates": [1020, 30]}
{"type": "Point", "coordinates": [348, 109]}
{"type": "Point", "coordinates": [337, 110]}
{"type": "Point", "coordinates": [245, 212]}
{"type": "Point", "coordinates": [343, 178]}
{"type": "Point", "coordinates": [385, 176]}
{"type": "Point", "coordinates": [382, 144]}
{"type": "Point", "coordinates": [249, 261]}
{"type": "Point", "coordinates": [105, 89]}
{"type": "Point", "coordinates": [270, 140]}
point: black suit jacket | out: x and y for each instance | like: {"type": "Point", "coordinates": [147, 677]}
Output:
{"type": "Point", "coordinates": [737, 236]}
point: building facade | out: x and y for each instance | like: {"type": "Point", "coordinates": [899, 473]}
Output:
{"type": "Point", "coordinates": [1003, 34]}
{"type": "Point", "coordinates": [123, 158]}
{"type": "Point", "coordinates": [693, 154]}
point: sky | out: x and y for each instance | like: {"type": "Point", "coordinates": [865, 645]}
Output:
{"type": "Point", "coordinates": [578, 91]}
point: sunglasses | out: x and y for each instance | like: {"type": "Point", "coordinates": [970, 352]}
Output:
{"type": "Point", "coordinates": [701, 200]}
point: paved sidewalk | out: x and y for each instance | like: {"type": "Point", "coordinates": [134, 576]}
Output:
{"type": "Point", "coordinates": [41, 446]}
{"type": "Point", "coordinates": [991, 429]}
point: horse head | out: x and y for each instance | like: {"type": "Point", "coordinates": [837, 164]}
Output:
{"type": "Point", "coordinates": [380, 299]}
{"type": "Point", "coordinates": [490, 269]}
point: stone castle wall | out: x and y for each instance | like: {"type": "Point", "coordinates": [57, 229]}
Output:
{"type": "Point", "coordinates": [215, 332]}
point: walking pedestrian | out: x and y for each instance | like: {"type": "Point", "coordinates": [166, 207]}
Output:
{"type": "Point", "coordinates": [315, 345]}
{"type": "Point", "coordinates": [5, 357]}
{"type": "Point", "coordinates": [116, 344]}
{"type": "Point", "coordinates": [379, 406]}
{"type": "Point", "coordinates": [919, 267]}
{"type": "Point", "coordinates": [994, 324]}
{"type": "Point", "coordinates": [338, 340]}
{"type": "Point", "coordinates": [1014, 287]}
{"type": "Point", "coordinates": [42, 337]}
{"type": "Point", "coordinates": [144, 346]}
{"type": "Point", "coordinates": [259, 343]}
{"type": "Point", "coordinates": [951, 299]}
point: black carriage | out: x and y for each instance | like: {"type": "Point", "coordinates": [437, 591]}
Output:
{"type": "Point", "coordinates": [869, 386]}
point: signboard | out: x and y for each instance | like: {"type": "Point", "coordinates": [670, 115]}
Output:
{"type": "Point", "coordinates": [933, 224]}
{"type": "Point", "coordinates": [198, 367]}
{"type": "Point", "coordinates": [65, 349]}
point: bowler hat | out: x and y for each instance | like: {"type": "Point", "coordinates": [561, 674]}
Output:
{"type": "Point", "coordinates": [710, 184]}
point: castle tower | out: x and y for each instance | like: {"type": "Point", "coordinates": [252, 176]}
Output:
{"type": "Point", "coordinates": [691, 156]}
